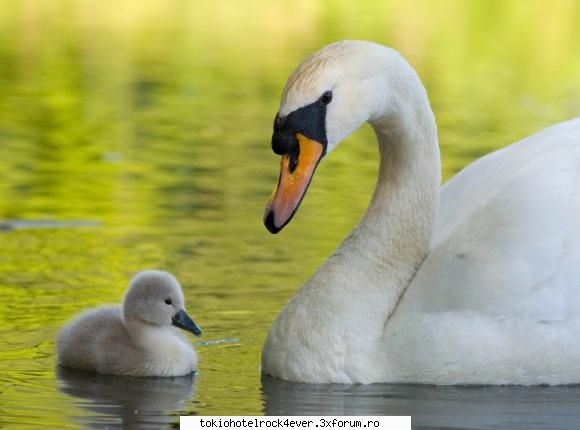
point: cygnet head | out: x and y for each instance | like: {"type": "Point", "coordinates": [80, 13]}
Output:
{"type": "Point", "coordinates": [332, 93]}
{"type": "Point", "coordinates": [155, 297]}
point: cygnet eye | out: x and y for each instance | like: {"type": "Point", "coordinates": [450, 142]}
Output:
{"type": "Point", "coordinates": [168, 301]}
{"type": "Point", "coordinates": [326, 98]}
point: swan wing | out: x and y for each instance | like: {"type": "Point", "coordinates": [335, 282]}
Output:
{"type": "Point", "coordinates": [507, 239]}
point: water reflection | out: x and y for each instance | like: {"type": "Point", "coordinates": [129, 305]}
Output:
{"type": "Point", "coordinates": [431, 406]}
{"type": "Point", "coordinates": [8, 225]}
{"type": "Point", "coordinates": [126, 402]}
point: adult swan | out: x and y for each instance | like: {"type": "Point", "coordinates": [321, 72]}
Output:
{"type": "Point", "coordinates": [475, 283]}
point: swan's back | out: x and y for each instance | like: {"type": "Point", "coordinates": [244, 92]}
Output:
{"type": "Point", "coordinates": [507, 239]}
{"type": "Point", "coordinates": [497, 300]}
{"type": "Point", "coordinates": [94, 339]}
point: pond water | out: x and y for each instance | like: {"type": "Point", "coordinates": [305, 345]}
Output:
{"type": "Point", "coordinates": [136, 135]}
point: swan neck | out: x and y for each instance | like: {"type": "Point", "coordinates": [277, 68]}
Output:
{"type": "Point", "coordinates": [397, 226]}
{"type": "Point", "coordinates": [347, 304]}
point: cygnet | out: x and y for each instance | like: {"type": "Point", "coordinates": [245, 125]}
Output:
{"type": "Point", "coordinates": [137, 338]}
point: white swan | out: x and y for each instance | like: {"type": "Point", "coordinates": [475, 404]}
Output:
{"type": "Point", "coordinates": [475, 283]}
{"type": "Point", "coordinates": [138, 339]}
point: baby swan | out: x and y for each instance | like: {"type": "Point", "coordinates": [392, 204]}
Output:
{"type": "Point", "coordinates": [136, 339]}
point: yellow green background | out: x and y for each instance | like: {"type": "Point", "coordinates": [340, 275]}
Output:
{"type": "Point", "coordinates": [140, 129]}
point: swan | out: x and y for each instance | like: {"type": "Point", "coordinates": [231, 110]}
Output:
{"type": "Point", "coordinates": [137, 339]}
{"type": "Point", "coordinates": [476, 282]}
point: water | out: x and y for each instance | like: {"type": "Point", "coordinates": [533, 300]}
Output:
{"type": "Point", "coordinates": [432, 407]}
{"type": "Point", "coordinates": [136, 134]}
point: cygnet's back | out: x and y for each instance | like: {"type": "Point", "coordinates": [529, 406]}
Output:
{"type": "Point", "coordinates": [137, 339]}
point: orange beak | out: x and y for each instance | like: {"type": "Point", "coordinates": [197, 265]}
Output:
{"type": "Point", "coordinates": [292, 184]}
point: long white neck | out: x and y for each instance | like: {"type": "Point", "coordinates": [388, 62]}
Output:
{"type": "Point", "coordinates": [334, 325]}
{"type": "Point", "coordinates": [376, 262]}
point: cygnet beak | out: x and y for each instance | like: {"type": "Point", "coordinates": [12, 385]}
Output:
{"type": "Point", "coordinates": [183, 321]}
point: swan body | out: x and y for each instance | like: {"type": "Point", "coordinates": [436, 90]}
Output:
{"type": "Point", "coordinates": [477, 282]}
{"type": "Point", "coordinates": [136, 339]}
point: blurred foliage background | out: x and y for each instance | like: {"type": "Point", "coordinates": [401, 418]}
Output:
{"type": "Point", "coordinates": [149, 121]}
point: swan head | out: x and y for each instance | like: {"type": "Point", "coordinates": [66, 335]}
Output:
{"type": "Point", "coordinates": [154, 297]}
{"type": "Point", "coordinates": [332, 93]}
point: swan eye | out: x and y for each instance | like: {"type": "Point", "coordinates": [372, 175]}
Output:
{"type": "Point", "coordinates": [326, 98]}
{"type": "Point", "coordinates": [168, 301]}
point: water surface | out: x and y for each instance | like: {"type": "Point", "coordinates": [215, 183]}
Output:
{"type": "Point", "coordinates": [136, 135]}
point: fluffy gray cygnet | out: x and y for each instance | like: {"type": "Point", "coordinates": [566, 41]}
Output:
{"type": "Point", "coordinates": [137, 338]}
